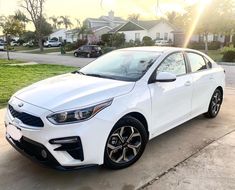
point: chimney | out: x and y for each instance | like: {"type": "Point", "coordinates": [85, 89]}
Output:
{"type": "Point", "coordinates": [111, 15]}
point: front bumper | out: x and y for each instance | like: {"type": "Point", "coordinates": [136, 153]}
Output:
{"type": "Point", "coordinates": [92, 136]}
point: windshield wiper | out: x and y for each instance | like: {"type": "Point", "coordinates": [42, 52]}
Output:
{"type": "Point", "coordinates": [100, 76]}
{"type": "Point", "coordinates": [78, 72]}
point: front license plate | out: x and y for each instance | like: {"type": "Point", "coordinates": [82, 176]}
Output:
{"type": "Point", "coordinates": [14, 132]}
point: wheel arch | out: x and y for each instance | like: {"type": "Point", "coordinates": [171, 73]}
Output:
{"type": "Point", "coordinates": [140, 117]}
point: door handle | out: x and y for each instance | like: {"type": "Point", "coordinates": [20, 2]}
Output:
{"type": "Point", "coordinates": [188, 83]}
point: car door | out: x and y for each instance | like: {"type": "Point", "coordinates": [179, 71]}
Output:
{"type": "Point", "coordinates": [171, 101]}
{"type": "Point", "coordinates": [202, 76]}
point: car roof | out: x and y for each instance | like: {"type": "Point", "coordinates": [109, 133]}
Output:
{"type": "Point", "coordinates": [160, 49]}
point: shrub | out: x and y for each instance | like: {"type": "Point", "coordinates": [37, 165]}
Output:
{"type": "Point", "coordinates": [228, 54]}
{"type": "Point", "coordinates": [147, 41]}
{"type": "Point", "coordinates": [70, 46]}
{"type": "Point", "coordinates": [201, 45]}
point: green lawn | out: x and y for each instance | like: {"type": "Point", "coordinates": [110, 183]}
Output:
{"type": "Point", "coordinates": [22, 48]}
{"type": "Point", "coordinates": [47, 50]}
{"type": "Point", "coordinates": [215, 55]}
{"type": "Point", "coordinates": [13, 78]}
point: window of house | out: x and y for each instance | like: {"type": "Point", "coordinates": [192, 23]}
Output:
{"type": "Point", "coordinates": [174, 64]}
{"type": "Point", "coordinates": [165, 36]}
{"type": "Point", "coordinates": [215, 38]}
{"type": "Point", "coordinates": [137, 36]}
{"type": "Point", "coordinates": [158, 36]}
{"type": "Point", "coordinates": [201, 38]}
{"type": "Point", "coordinates": [197, 62]}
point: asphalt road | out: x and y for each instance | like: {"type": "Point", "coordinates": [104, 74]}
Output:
{"type": "Point", "coordinates": [162, 154]}
{"type": "Point", "coordinates": [49, 59]}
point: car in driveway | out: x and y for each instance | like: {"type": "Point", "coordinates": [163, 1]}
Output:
{"type": "Point", "coordinates": [162, 43]}
{"type": "Point", "coordinates": [106, 112]}
{"type": "Point", "coordinates": [88, 51]}
{"type": "Point", "coordinates": [2, 46]}
{"type": "Point", "coordinates": [52, 43]}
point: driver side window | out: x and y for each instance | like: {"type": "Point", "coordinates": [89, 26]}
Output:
{"type": "Point", "coordinates": [174, 64]}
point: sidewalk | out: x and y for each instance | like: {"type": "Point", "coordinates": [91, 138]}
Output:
{"type": "Point", "coordinates": [211, 168]}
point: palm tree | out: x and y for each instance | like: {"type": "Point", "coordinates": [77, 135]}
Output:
{"type": "Point", "coordinates": [66, 21]}
{"type": "Point", "coordinates": [84, 31]}
{"type": "Point", "coordinates": [55, 21]}
{"type": "Point", "coordinates": [20, 16]}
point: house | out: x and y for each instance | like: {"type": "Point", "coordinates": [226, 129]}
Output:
{"type": "Point", "coordinates": [110, 21]}
{"type": "Point", "coordinates": [60, 34]}
{"type": "Point", "coordinates": [156, 29]}
{"type": "Point", "coordinates": [211, 38]}
{"type": "Point", "coordinates": [97, 32]}
{"type": "Point", "coordinates": [72, 35]}
{"type": "Point", "coordinates": [102, 25]}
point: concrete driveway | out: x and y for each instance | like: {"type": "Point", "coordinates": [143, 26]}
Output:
{"type": "Point", "coordinates": [49, 59]}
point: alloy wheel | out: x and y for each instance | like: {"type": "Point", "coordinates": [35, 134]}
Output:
{"type": "Point", "coordinates": [124, 144]}
{"type": "Point", "coordinates": [215, 103]}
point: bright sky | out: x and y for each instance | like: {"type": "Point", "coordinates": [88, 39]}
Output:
{"type": "Point", "coordinates": [82, 9]}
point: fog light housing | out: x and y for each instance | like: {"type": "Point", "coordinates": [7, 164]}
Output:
{"type": "Point", "coordinates": [66, 140]}
{"type": "Point", "coordinates": [72, 145]}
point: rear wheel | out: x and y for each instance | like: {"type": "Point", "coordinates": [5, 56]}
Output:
{"type": "Point", "coordinates": [76, 54]}
{"type": "Point", "coordinates": [126, 143]}
{"type": "Point", "coordinates": [88, 55]}
{"type": "Point", "coordinates": [215, 104]}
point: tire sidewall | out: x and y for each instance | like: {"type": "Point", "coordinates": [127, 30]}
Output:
{"type": "Point", "coordinates": [126, 121]}
{"type": "Point", "coordinates": [210, 113]}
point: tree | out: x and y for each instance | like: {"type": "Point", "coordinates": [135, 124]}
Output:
{"type": "Point", "coordinates": [217, 17]}
{"type": "Point", "coordinates": [56, 22]}
{"type": "Point", "coordinates": [20, 16]}
{"type": "Point", "coordinates": [11, 27]}
{"type": "Point", "coordinates": [35, 11]}
{"type": "Point", "coordinates": [46, 27]}
{"type": "Point", "coordinates": [175, 18]}
{"type": "Point", "coordinates": [133, 17]}
{"type": "Point", "coordinates": [66, 22]}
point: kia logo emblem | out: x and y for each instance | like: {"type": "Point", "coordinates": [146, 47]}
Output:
{"type": "Point", "coordinates": [20, 105]}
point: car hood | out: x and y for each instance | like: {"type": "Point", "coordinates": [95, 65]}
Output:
{"type": "Point", "coordinates": [70, 91]}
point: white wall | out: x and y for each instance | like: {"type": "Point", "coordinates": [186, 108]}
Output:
{"type": "Point", "coordinates": [161, 28]}
{"type": "Point", "coordinates": [59, 34]}
{"type": "Point", "coordinates": [130, 35]}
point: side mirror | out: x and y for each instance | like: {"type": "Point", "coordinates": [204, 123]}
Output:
{"type": "Point", "coordinates": [165, 77]}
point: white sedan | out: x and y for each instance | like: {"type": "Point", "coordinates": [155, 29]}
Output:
{"type": "Point", "coordinates": [106, 112]}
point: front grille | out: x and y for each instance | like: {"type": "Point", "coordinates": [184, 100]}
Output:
{"type": "Point", "coordinates": [26, 118]}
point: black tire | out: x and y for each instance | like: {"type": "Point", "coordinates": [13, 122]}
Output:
{"type": "Point", "coordinates": [215, 104]}
{"type": "Point", "coordinates": [76, 54]}
{"type": "Point", "coordinates": [88, 55]}
{"type": "Point", "coordinates": [49, 46]}
{"type": "Point", "coordinates": [134, 135]}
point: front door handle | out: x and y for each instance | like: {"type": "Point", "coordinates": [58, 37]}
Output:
{"type": "Point", "coordinates": [188, 83]}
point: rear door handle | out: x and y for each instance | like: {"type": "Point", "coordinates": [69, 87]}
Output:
{"type": "Point", "coordinates": [188, 83]}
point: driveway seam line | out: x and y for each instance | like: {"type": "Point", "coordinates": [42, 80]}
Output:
{"type": "Point", "coordinates": [179, 163]}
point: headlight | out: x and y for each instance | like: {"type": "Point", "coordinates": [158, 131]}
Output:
{"type": "Point", "coordinates": [79, 115]}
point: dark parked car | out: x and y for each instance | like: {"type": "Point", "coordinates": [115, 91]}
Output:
{"type": "Point", "coordinates": [88, 51]}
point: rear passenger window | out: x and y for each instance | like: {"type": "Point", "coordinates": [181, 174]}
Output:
{"type": "Point", "coordinates": [197, 62]}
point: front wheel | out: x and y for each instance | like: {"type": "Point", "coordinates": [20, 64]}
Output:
{"type": "Point", "coordinates": [125, 144]}
{"type": "Point", "coordinates": [215, 104]}
{"type": "Point", "coordinates": [76, 54]}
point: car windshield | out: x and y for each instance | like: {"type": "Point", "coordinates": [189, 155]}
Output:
{"type": "Point", "coordinates": [126, 65]}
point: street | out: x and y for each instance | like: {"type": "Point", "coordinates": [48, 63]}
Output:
{"type": "Point", "coordinates": [49, 59]}
{"type": "Point", "coordinates": [169, 161]}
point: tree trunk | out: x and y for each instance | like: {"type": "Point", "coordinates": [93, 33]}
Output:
{"type": "Point", "coordinates": [40, 44]}
{"type": "Point", "coordinates": [8, 55]}
{"type": "Point", "coordinates": [206, 43]}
